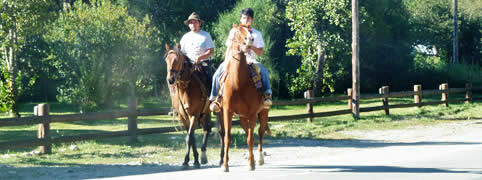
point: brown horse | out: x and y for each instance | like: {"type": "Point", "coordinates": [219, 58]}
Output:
{"type": "Point", "coordinates": [240, 97]}
{"type": "Point", "coordinates": [190, 100]}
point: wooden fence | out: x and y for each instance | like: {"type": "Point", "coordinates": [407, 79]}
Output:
{"type": "Point", "coordinates": [45, 141]}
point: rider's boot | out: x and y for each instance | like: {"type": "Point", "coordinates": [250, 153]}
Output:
{"type": "Point", "coordinates": [267, 101]}
{"type": "Point", "coordinates": [215, 105]}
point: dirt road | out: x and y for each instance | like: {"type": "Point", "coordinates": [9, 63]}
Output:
{"type": "Point", "coordinates": [443, 151]}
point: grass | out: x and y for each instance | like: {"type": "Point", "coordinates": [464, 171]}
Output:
{"type": "Point", "coordinates": [169, 148]}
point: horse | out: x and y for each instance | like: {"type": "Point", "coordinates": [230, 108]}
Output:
{"type": "Point", "coordinates": [241, 97]}
{"type": "Point", "coordinates": [190, 100]}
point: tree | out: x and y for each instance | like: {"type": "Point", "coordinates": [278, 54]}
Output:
{"type": "Point", "coordinates": [19, 19]}
{"type": "Point", "coordinates": [321, 40]}
{"type": "Point", "coordinates": [101, 53]}
{"type": "Point", "coordinates": [385, 45]}
{"type": "Point", "coordinates": [431, 24]}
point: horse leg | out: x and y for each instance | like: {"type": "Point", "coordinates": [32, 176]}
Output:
{"type": "Point", "coordinates": [192, 141]}
{"type": "Point", "coordinates": [221, 138]}
{"type": "Point", "coordinates": [185, 165]}
{"type": "Point", "coordinates": [189, 144]}
{"type": "Point", "coordinates": [227, 118]}
{"type": "Point", "coordinates": [251, 122]}
{"type": "Point", "coordinates": [207, 130]}
{"type": "Point", "coordinates": [263, 127]}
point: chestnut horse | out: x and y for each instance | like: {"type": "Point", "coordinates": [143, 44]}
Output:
{"type": "Point", "coordinates": [190, 100]}
{"type": "Point", "coordinates": [240, 97]}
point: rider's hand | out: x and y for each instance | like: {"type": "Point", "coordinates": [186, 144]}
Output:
{"type": "Point", "coordinates": [197, 61]}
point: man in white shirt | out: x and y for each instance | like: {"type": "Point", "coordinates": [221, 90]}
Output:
{"type": "Point", "coordinates": [197, 44]}
{"type": "Point", "coordinates": [246, 18]}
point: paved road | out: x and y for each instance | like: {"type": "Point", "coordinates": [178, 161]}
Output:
{"type": "Point", "coordinates": [454, 156]}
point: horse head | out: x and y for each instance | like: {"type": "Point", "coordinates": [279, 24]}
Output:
{"type": "Point", "coordinates": [242, 37]}
{"type": "Point", "coordinates": [175, 63]}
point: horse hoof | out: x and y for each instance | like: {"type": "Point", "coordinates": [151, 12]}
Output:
{"type": "Point", "coordinates": [225, 168]}
{"type": "Point", "coordinates": [261, 162]}
{"type": "Point", "coordinates": [197, 166]}
{"type": "Point", "coordinates": [252, 168]}
{"type": "Point", "coordinates": [185, 167]}
{"type": "Point", "coordinates": [204, 158]}
{"type": "Point", "coordinates": [261, 158]}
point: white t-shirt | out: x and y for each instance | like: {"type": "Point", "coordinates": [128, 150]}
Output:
{"type": "Point", "coordinates": [258, 43]}
{"type": "Point", "coordinates": [195, 44]}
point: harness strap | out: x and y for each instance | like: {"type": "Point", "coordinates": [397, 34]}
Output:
{"type": "Point", "coordinates": [184, 114]}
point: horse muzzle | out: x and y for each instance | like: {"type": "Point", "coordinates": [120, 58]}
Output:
{"type": "Point", "coordinates": [171, 79]}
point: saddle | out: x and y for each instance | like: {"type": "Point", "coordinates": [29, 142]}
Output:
{"type": "Point", "coordinates": [204, 73]}
{"type": "Point", "coordinates": [254, 74]}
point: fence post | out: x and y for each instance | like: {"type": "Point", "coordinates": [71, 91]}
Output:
{"type": "Point", "coordinates": [309, 106]}
{"type": "Point", "coordinates": [132, 118]}
{"type": "Point", "coordinates": [445, 93]}
{"type": "Point", "coordinates": [468, 92]}
{"type": "Point", "coordinates": [417, 94]}
{"type": "Point", "coordinates": [44, 128]}
{"type": "Point", "coordinates": [385, 91]}
{"type": "Point", "coordinates": [349, 92]}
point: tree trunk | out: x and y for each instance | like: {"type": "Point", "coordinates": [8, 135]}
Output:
{"type": "Point", "coordinates": [455, 36]}
{"type": "Point", "coordinates": [12, 70]}
{"type": "Point", "coordinates": [355, 60]}
{"type": "Point", "coordinates": [320, 65]}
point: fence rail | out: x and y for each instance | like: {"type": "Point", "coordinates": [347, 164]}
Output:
{"type": "Point", "coordinates": [43, 118]}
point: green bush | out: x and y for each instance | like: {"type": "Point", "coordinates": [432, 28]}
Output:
{"type": "Point", "coordinates": [101, 53]}
{"type": "Point", "coordinates": [431, 71]}
{"type": "Point", "coordinates": [6, 98]}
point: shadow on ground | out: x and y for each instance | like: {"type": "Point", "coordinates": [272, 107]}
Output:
{"type": "Point", "coordinates": [80, 171]}
{"type": "Point", "coordinates": [378, 169]}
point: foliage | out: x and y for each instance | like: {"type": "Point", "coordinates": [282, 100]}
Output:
{"type": "Point", "coordinates": [423, 62]}
{"type": "Point", "coordinates": [432, 25]}
{"type": "Point", "coordinates": [38, 75]}
{"type": "Point", "coordinates": [385, 45]}
{"type": "Point", "coordinates": [19, 20]}
{"type": "Point", "coordinates": [101, 53]}
{"type": "Point", "coordinates": [168, 16]}
{"type": "Point", "coordinates": [431, 71]}
{"type": "Point", "coordinates": [322, 23]}
{"type": "Point", "coordinates": [6, 99]}
{"type": "Point", "coordinates": [91, 50]}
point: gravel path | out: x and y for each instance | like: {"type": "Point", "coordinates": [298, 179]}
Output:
{"type": "Point", "coordinates": [278, 151]}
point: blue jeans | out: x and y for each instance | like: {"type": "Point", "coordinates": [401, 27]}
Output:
{"type": "Point", "coordinates": [264, 79]}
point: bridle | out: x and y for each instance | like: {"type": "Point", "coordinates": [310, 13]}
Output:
{"type": "Point", "coordinates": [236, 40]}
{"type": "Point", "coordinates": [180, 69]}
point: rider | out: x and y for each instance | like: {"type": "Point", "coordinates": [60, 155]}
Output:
{"type": "Point", "coordinates": [197, 45]}
{"type": "Point", "coordinates": [246, 18]}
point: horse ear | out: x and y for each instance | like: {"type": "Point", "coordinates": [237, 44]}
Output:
{"type": "Point", "coordinates": [178, 46]}
{"type": "Point", "coordinates": [167, 47]}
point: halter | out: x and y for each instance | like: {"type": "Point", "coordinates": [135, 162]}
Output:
{"type": "Point", "coordinates": [177, 73]}
{"type": "Point", "coordinates": [235, 40]}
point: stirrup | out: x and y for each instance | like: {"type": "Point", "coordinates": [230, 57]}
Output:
{"type": "Point", "coordinates": [215, 107]}
{"type": "Point", "coordinates": [267, 101]}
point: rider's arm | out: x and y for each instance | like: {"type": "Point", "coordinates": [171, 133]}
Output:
{"type": "Point", "coordinates": [258, 51]}
{"type": "Point", "coordinates": [205, 56]}
{"type": "Point", "coordinates": [258, 44]}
